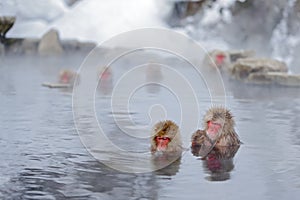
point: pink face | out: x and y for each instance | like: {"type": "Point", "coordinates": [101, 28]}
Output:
{"type": "Point", "coordinates": [213, 129]}
{"type": "Point", "coordinates": [220, 59]}
{"type": "Point", "coordinates": [105, 74]}
{"type": "Point", "coordinates": [65, 78]}
{"type": "Point", "coordinates": [162, 143]}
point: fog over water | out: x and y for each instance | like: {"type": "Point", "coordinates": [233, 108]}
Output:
{"type": "Point", "coordinates": [51, 143]}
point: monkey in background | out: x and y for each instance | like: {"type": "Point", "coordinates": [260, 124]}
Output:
{"type": "Point", "coordinates": [67, 77]}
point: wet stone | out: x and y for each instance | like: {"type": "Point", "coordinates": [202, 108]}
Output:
{"type": "Point", "coordinates": [50, 44]}
{"type": "Point", "coordinates": [279, 78]}
{"type": "Point", "coordinates": [242, 68]}
{"type": "Point", "coordinates": [2, 49]}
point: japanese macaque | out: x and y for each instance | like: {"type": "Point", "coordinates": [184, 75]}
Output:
{"type": "Point", "coordinates": [218, 130]}
{"type": "Point", "coordinates": [217, 58]}
{"type": "Point", "coordinates": [154, 76]}
{"type": "Point", "coordinates": [67, 77]}
{"type": "Point", "coordinates": [224, 59]}
{"type": "Point", "coordinates": [166, 137]}
{"type": "Point", "coordinates": [105, 77]}
{"type": "Point", "coordinates": [105, 73]}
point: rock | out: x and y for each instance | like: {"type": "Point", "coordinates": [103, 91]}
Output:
{"type": "Point", "coordinates": [235, 55]}
{"type": "Point", "coordinates": [242, 68]}
{"type": "Point", "coordinates": [279, 78]}
{"type": "Point", "coordinates": [75, 45]}
{"type": "Point", "coordinates": [30, 46]}
{"type": "Point", "coordinates": [56, 85]}
{"type": "Point", "coordinates": [50, 44]}
{"type": "Point", "coordinates": [2, 49]}
{"type": "Point", "coordinates": [183, 9]}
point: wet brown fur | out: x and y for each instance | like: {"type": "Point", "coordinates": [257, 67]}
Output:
{"type": "Point", "coordinates": [167, 129]}
{"type": "Point", "coordinates": [226, 137]}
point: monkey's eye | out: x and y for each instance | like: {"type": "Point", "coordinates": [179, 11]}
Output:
{"type": "Point", "coordinates": [211, 123]}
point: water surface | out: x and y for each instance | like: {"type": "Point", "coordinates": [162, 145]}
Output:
{"type": "Point", "coordinates": [43, 158]}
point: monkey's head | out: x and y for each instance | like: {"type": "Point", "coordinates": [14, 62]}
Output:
{"type": "Point", "coordinates": [67, 77]}
{"type": "Point", "coordinates": [165, 137]}
{"type": "Point", "coordinates": [218, 121]}
{"type": "Point", "coordinates": [220, 58]}
{"type": "Point", "coordinates": [105, 73]}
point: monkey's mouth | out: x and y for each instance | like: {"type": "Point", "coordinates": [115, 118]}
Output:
{"type": "Point", "coordinates": [162, 143]}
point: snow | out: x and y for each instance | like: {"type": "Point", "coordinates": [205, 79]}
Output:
{"type": "Point", "coordinates": [47, 10]}
{"type": "Point", "coordinates": [98, 20]}
{"type": "Point", "coordinates": [213, 14]}
{"type": "Point", "coordinates": [88, 20]}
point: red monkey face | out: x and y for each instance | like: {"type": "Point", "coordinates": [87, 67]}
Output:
{"type": "Point", "coordinates": [213, 129]}
{"type": "Point", "coordinates": [65, 78]}
{"type": "Point", "coordinates": [220, 59]}
{"type": "Point", "coordinates": [162, 143]}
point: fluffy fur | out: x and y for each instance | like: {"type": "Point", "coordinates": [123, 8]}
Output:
{"type": "Point", "coordinates": [226, 136]}
{"type": "Point", "coordinates": [167, 129]}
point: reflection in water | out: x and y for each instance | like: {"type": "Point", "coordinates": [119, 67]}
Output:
{"type": "Point", "coordinates": [168, 164]}
{"type": "Point", "coordinates": [219, 162]}
{"type": "Point", "coordinates": [248, 91]}
{"type": "Point", "coordinates": [84, 180]}
{"type": "Point", "coordinates": [153, 76]}
{"type": "Point", "coordinates": [42, 157]}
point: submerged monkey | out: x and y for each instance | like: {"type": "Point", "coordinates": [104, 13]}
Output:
{"type": "Point", "coordinates": [166, 148]}
{"type": "Point", "coordinates": [218, 130]}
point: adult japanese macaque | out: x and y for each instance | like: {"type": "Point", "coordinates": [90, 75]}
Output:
{"type": "Point", "coordinates": [218, 131]}
{"type": "Point", "coordinates": [154, 76]}
{"type": "Point", "coordinates": [217, 58]}
{"type": "Point", "coordinates": [224, 59]}
{"type": "Point", "coordinates": [67, 77]}
{"type": "Point", "coordinates": [166, 137]}
{"type": "Point", "coordinates": [105, 73]}
{"type": "Point", "coordinates": [105, 80]}
{"type": "Point", "coordinates": [166, 148]}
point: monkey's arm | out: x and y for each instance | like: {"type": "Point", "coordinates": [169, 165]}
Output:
{"type": "Point", "coordinates": [198, 138]}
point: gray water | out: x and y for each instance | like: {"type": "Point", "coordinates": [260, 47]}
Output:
{"type": "Point", "coordinates": [42, 156]}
